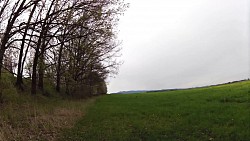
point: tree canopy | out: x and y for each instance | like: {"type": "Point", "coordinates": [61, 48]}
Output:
{"type": "Point", "coordinates": [70, 43]}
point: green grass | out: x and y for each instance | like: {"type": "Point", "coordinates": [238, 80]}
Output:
{"type": "Point", "coordinates": [219, 113]}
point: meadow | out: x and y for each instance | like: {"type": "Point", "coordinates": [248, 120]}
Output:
{"type": "Point", "coordinates": [219, 113]}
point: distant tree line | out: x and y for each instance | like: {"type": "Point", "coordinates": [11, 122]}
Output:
{"type": "Point", "coordinates": [70, 43]}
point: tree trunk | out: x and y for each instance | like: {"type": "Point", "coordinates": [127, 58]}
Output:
{"type": "Point", "coordinates": [41, 72]}
{"type": "Point", "coordinates": [19, 80]}
{"type": "Point", "coordinates": [35, 63]}
{"type": "Point", "coordinates": [58, 73]}
{"type": "Point", "coordinates": [34, 77]}
{"type": "Point", "coordinates": [1, 62]}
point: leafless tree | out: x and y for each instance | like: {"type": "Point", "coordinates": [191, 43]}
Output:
{"type": "Point", "coordinates": [70, 42]}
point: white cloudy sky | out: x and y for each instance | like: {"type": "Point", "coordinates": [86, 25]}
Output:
{"type": "Point", "coordinates": [183, 43]}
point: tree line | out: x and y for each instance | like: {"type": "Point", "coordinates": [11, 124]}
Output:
{"type": "Point", "coordinates": [70, 43]}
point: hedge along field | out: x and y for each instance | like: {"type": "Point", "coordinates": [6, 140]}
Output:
{"type": "Point", "coordinates": [217, 113]}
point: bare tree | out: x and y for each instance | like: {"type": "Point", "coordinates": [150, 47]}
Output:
{"type": "Point", "coordinates": [27, 26]}
{"type": "Point", "coordinates": [18, 8]}
{"type": "Point", "coordinates": [71, 42]}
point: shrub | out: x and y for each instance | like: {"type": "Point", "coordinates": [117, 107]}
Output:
{"type": "Point", "coordinates": [7, 88]}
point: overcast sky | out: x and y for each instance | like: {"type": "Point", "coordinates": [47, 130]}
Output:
{"type": "Point", "coordinates": [182, 43]}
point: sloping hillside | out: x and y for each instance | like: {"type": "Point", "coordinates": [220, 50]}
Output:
{"type": "Point", "coordinates": [28, 118]}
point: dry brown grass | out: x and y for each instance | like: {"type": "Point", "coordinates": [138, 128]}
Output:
{"type": "Point", "coordinates": [39, 120]}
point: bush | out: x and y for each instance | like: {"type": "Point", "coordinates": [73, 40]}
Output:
{"type": "Point", "coordinates": [8, 90]}
{"type": "Point", "coordinates": [102, 88]}
{"type": "Point", "coordinates": [84, 90]}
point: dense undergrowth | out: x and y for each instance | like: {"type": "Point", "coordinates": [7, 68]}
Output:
{"type": "Point", "coordinates": [24, 117]}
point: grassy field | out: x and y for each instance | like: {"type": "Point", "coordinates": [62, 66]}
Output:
{"type": "Point", "coordinates": [219, 113]}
